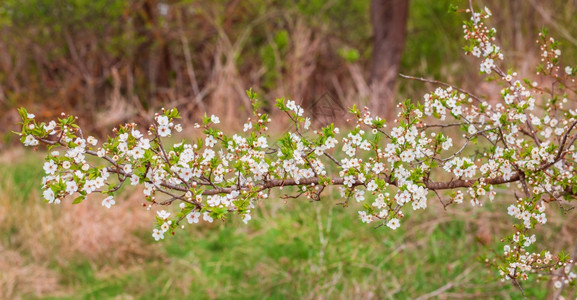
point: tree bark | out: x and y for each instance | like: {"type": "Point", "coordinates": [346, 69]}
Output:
{"type": "Point", "coordinates": [389, 22]}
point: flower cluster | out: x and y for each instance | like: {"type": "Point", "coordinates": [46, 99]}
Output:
{"type": "Point", "coordinates": [481, 39]}
{"type": "Point", "coordinates": [452, 141]}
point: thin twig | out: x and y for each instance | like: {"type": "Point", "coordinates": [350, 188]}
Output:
{"type": "Point", "coordinates": [443, 84]}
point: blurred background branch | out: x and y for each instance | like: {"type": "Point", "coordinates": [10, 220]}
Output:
{"type": "Point", "coordinates": [111, 61]}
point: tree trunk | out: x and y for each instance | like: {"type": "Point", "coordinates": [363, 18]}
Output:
{"type": "Point", "coordinates": [389, 22]}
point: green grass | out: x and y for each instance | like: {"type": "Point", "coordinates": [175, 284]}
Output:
{"type": "Point", "coordinates": [288, 251]}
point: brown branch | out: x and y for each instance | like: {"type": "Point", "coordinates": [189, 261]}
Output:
{"type": "Point", "coordinates": [267, 185]}
{"type": "Point", "coordinates": [431, 185]}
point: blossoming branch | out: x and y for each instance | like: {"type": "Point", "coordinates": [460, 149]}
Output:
{"type": "Point", "coordinates": [452, 140]}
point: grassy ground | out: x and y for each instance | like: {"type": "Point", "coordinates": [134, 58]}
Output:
{"type": "Point", "coordinates": [289, 250]}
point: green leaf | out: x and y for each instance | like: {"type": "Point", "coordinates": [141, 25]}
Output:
{"type": "Point", "coordinates": [251, 94]}
{"type": "Point", "coordinates": [280, 104]}
{"type": "Point", "coordinates": [354, 110]}
{"type": "Point", "coordinates": [78, 199]}
{"type": "Point", "coordinates": [172, 113]}
{"type": "Point", "coordinates": [563, 257]}
{"type": "Point", "coordinates": [23, 113]}
{"type": "Point", "coordinates": [205, 119]}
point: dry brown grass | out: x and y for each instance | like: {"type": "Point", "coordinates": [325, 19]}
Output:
{"type": "Point", "coordinates": [35, 236]}
{"type": "Point", "coordinates": [88, 231]}
{"type": "Point", "coordinates": [19, 277]}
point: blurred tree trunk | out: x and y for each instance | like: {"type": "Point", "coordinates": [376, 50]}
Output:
{"type": "Point", "coordinates": [152, 56]}
{"type": "Point", "coordinates": [389, 22]}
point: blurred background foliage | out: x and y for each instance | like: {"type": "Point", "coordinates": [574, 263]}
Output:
{"type": "Point", "coordinates": [113, 61]}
